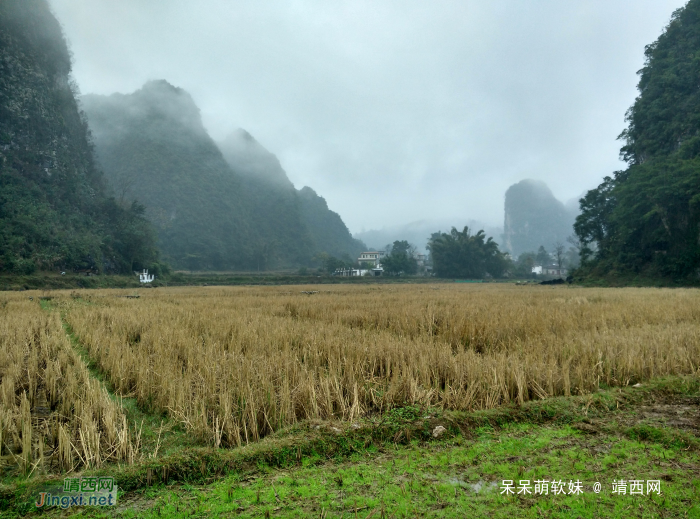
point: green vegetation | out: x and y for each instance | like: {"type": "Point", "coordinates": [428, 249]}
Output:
{"type": "Point", "coordinates": [329, 264]}
{"type": "Point", "coordinates": [463, 255]}
{"type": "Point", "coordinates": [48, 280]}
{"type": "Point", "coordinates": [54, 210]}
{"type": "Point", "coordinates": [393, 466]}
{"type": "Point", "coordinates": [400, 260]}
{"type": "Point", "coordinates": [327, 231]}
{"type": "Point", "coordinates": [645, 221]}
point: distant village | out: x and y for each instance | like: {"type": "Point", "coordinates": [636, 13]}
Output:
{"type": "Point", "coordinates": [371, 265]}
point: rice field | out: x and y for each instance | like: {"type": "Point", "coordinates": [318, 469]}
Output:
{"type": "Point", "coordinates": [53, 414]}
{"type": "Point", "coordinates": [234, 364]}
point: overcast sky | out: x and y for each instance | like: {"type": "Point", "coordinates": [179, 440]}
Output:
{"type": "Point", "coordinates": [394, 111]}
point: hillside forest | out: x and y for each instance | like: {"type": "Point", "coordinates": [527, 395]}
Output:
{"type": "Point", "coordinates": [55, 207]}
{"type": "Point", "coordinates": [645, 220]}
{"type": "Point", "coordinates": [215, 206]}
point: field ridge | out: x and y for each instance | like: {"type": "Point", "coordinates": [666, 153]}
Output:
{"type": "Point", "coordinates": [319, 441]}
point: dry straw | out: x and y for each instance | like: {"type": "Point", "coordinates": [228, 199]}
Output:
{"type": "Point", "coordinates": [53, 415]}
{"type": "Point", "coordinates": [234, 364]}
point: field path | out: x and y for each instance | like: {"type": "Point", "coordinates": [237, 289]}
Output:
{"type": "Point", "coordinates": [153, 430]}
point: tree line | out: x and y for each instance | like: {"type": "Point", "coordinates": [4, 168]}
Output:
{"type": "Point", "coordinates": [461, 255]}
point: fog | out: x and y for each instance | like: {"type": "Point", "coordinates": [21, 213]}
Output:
{"type": "Point", "coordinates": [394, 111]}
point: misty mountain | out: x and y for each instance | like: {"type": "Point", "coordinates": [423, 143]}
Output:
{"type": "Point", "coordinates": [534, 217]}
{"type": "Point", "coordinates": [252, 161]}
{"type": "Point", "coordinates": [263, 173]}
{"type": "Point", "coordinates": [211, 211]}
{"type": "Point", "coordinates": [418, 233]}
{"type": "Point", "coordinates": [54, 208]}
{"type": "Point", "coordinates": [328, 232]}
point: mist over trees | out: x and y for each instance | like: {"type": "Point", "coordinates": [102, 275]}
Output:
{"type": "Point", "coordinates": [534, 218]}
{"type": "Point", "coordinates": [230, 205]}
{"type": "Point", "coordinates": [418, 232]}
{"type": "Point", "coordinates": [215, 207]}
{"type": "Point", "coordinates": [646, 218]}
{"type": "Point", "coordinates": [54, 209]}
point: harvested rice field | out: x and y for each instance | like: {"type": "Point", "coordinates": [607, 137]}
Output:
{"type": "Point", "coordinates": [121, 378]}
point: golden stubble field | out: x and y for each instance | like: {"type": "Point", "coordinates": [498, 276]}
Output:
{"type": "Point", "coordinates": [50, 406]}
{"type": "Point", "coordinates": [233, 364]}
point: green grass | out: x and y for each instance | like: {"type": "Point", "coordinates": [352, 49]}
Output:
{"type": "Point", "coordinates": [457, 477]}
{"type": "Point", "coordinates": [393, 464]}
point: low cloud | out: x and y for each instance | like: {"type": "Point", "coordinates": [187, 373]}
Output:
{"type": "Point", "coordinates": [393, 111]}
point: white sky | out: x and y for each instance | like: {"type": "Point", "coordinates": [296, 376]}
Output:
{"type": "Point", "coordinates": [394, 111]}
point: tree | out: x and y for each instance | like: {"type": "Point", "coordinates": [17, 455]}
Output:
{"type": "Point", "coordinates": [401, 260]}
{"type": "Point", "coordinates": [460, 254]}
{"type": "Point", "coordinates": [559, 253]}
{"type": "Point", "coordinates": [134, 237]}
{"type": "Point", "coordinates": [263, 253]}
{"type": "Point", "coordinates": [330, 263]}
{"type": "Point", "coordinates": [573, 254]}
{"type": "Point", "coordinates": [593, 225]}
{"type": "Point", "coordinates": [646, 219]}
{"type": "Point", "coordinates": [543, 258]}
{"type": "Point", "coordinates": [524, 264]}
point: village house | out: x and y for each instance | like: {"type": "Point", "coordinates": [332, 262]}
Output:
{"type": "Point", "coordinates": [371, 257]}
{"type": "Point", "coordinates": [551, 270]}
{"type": "Point", "coordinates": [554, 271]}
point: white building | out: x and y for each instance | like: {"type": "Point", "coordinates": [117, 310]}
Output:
{"type": "Point", "coordinates": [552, 270]}
{"type": "Point", "coordinates": [371, 256]}
{"type": "Point", "coordinates": [144, 277]}
{"type": "Point", "coordinates": [350, 272]}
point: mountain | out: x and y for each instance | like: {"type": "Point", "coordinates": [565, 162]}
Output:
{"type": "Point", "coordinates": [328, 232]}
{"type": "Point", "coordinates": [262, 171]}
{"type": "Point", "coordinates": [212, 210]}
{"type": "Point", "coordinates": [534, 218]}
{"type": "Point", "coordinates": [645, 220]}
{"type": "Point", "coordinates": [252, 161]}
{"type": "Point", "coordinates": [54, 209]}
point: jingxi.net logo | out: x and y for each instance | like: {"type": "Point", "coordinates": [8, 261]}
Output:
{"type": "Point", "coordinates": [86, 491]}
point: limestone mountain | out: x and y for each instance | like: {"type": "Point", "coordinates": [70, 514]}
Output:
{"type": "Point", "coordinates": [54, 208]}
{"type": "Point", "coordinates": [534, 218]}
{"type": "Point", "coordinates": [328, 232]}
{"type": "Point", "coordinates": [252, 161]}
{"type": "Point", "coordinates": [262, 171]}
{"type": "Point", "coordinates": [212, 211]}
